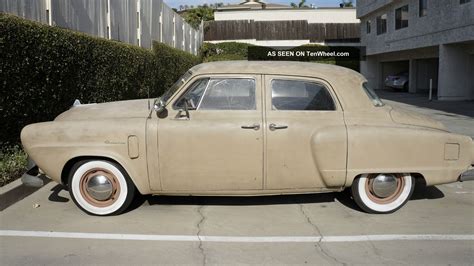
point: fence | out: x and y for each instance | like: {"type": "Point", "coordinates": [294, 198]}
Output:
{"type": "Point", "coordinates": [282, 30]}
{"type": "Point", "coordinates": [137, 22]}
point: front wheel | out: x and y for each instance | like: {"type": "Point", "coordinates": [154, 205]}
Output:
{"type": "Point", "coordinates": [100, 187]}
{"type": "Point", "coordinates": [382, 193]}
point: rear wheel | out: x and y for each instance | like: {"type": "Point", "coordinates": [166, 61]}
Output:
{"type": "Point", "coordinates": [382, 193]}
{"type": "Point", "coordinates": [100, 187]}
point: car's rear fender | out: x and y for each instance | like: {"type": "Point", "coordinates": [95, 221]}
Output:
{"type": "Point", "coordinates": [439, 156]}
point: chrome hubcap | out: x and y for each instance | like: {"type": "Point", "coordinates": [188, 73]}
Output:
{"type": "Point", "coordinates": [384, 185]}
{"type": "Point", "coordinates": [99, 187]}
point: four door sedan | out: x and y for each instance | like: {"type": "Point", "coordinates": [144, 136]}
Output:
{"type": "Point", "coordinates": [245, 129]}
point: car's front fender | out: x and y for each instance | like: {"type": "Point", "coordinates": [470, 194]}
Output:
{"type": "Point", "coordinates": [53, 144]}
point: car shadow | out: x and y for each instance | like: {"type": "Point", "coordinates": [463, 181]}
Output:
{"type": "Point", "coordinates": [54, 196]}
{"type": "Point", "coordinates": [421, 192]}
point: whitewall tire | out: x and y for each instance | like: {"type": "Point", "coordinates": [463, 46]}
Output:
{"type": "Point", "coordinates": [100, 187]}
{"type": "Point", "coordinates": [382, 193]}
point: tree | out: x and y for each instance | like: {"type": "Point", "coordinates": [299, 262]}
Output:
{"type": "Point", "coordinates": [301, 4]}
{"type": "Point", "coordinates": [347, 3]}
{"type": "Point", "coordinates": [202, 13]}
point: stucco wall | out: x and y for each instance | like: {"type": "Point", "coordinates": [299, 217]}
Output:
{"type": "Point", "coordinates": [446, 22]}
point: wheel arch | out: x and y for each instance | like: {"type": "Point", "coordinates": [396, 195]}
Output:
{"type": "Point", "coordinates": [419, 178]}
{"type": "Point", "coordinates": [72, 161]}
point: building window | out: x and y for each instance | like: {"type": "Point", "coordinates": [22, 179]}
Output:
{"type": "Point", "coordinates": [369, 26]}
{"type": "Point", "coordinates": [464, 1]}
{"type": "Point", "coordinates": [382, 24]}
{"type": "Point", "coordinates": [423, 8]}
{"type": "Point", "coordinates": [401, 17]}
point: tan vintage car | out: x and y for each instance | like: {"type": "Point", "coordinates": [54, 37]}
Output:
{"type": "Point", "coordinates": [246, 129]}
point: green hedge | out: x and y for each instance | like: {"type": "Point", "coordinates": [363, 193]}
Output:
{"type": "Point", "coordinates": [239, 51]}
{"type": "Point", "coordinates": [224, 51]}
{"type": "Point", "coordinates": [44, 69]}
{"type": "Point", "coordinates": [171, 64]}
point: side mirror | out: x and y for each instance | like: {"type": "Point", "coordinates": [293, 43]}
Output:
{"type": "Point", "coordinates": [159, 106]}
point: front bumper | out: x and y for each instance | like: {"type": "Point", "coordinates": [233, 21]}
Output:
{"type": "Point", "coordinates": [467, 176]}
{"type": "Point", "coordinates": [395, 84]}
{"type": "Point", "coordinates": [32, 177]}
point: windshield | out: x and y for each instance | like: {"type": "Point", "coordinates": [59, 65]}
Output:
{"type": "Point", "coordinates": [372, 95]}
{"type": "Point", "coordinates": [183, 79]}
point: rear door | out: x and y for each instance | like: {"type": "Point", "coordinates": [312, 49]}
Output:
{"type": "Point", "coordinates": [306, 141]}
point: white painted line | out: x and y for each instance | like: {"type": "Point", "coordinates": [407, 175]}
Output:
{"type": "Point", "coordinates": [235, 239]}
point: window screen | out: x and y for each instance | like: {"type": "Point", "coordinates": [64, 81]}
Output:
{"type": "Point", "coordinates": [300, 96]}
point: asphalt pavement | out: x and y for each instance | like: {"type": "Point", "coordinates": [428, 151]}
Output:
{"type": "Point", "coordinates": [435, 227]}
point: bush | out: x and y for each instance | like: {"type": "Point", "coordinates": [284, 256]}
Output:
{"type": "Point", "coordinates": [239, 51]}
{"type": "Point", "coordinates": [170, 65]}
{"type": "Point", "coordinates": [224, 51]}
{"type": "Point", "coordinates": [13, 162]}
{"type": "Point", "coordinates": [44, 69]}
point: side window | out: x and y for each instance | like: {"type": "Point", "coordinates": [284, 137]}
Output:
{"type": "Point", "coordinates": [220, 94]}
{"type": "Point", "coordinates": [229, 94]}
{"type": "Point", "coordinates": [193, 95]}
{"type": "Point", "coordinates": [300, 96]}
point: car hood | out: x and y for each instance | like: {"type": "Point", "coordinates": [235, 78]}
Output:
{"type": "Point", "coordinates": [405, 117]}
{"type": "Point", "coordinates": [121, 109]}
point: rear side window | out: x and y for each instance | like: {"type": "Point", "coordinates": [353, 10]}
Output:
{"type": "Point", "coordinates": [299, 95]}
{"type": "Point", "coordinates": [372, 95]}
{"type": "Point", "coordinates": [220, 94]}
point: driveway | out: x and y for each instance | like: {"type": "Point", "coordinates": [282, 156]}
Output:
{"type": "Point", "coordinates": [435, 227]}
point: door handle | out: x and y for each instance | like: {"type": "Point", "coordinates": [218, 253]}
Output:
{"type": "Point", "coordinates": [254, 127]}
{"type": "Point", "coordinates": [274, 127]}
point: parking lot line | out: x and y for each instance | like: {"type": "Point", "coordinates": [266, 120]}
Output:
{"type": "Point", "coordinates": [236, 239]}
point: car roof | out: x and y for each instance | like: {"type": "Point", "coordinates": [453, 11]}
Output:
{"type": "Point", "coordinates": [273, 67]}
{"type": "Point", "coordinates": [346, 82]}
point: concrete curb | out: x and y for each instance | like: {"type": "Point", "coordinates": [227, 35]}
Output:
{"type": "Point", "coordinates": [16, 191]}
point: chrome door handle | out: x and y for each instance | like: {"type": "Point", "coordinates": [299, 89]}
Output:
{"type": "Point", "coordinates": [274, 127]}
{"type": "Point", "coordinates": [254, 127]}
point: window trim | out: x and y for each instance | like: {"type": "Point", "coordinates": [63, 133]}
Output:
{"type": "Point", "coordinates": [379, 18]}
{"type": "Point", "coordinates": [334, 98]}
{"type": "Point", "coordinates": [420, 9]}
{"type": "Point", "coordinates": [397, 26]}
{"type": "Point", "coordinates": [199, 77]}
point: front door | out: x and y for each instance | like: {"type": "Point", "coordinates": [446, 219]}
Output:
{"type": "Point", "coordinates": [306, 135]}
{"type": "Point", "coordinates": [220, 146]}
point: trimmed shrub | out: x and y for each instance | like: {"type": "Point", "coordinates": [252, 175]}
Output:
{"type": "Point", "coordinates": [44, 69]}
{"type": "Point", "coordinates": [170, 65]}
{"type": "Point", "coordinates": [239, 51]}
{"type": "Point", "coordinates": [224, 51]}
